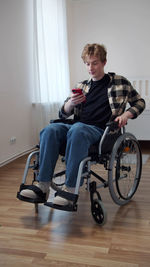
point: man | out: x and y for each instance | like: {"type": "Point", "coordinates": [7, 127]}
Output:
{"type": "Point", "coordinates": [104, 97]}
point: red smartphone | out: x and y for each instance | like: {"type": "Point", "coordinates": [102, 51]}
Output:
{"type": "Point", "coordinates": [77, 91]}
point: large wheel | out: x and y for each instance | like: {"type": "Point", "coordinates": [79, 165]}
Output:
{"type": "Point", "coordinates": [125, 168]}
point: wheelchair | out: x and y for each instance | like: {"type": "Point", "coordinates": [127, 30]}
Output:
{"type": "Point", "coordinates": [120, 154]}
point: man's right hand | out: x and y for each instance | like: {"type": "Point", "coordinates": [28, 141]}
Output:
{"type": "Point", "coordinates": [74, 100]}
{"type": "Point", "coordinates": [77, 99]}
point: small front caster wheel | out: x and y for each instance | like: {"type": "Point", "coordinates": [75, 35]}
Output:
{"type": "Point", "coordinates": [98, 212]}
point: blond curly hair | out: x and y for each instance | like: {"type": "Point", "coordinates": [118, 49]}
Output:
{"type": "Point", "coordinates": [96, 50]}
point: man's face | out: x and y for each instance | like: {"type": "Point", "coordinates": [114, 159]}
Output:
{"type": "Point", "coordinates": [95, 67]}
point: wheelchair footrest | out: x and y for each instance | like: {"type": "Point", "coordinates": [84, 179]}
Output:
{"type": "Point", "coordinates": [41, 197]}
{"type": "Point", "coordinates": [30, 200]}
{"type": "Point", "coordinates": [69, 207]}
{"type": "Point", "coordinates": [67, 195]}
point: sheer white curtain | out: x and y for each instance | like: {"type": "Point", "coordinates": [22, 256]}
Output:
{"type": "Point", "coordinates": [51, 59]}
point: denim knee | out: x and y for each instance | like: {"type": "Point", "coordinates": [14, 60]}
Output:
{"type": "Point", "coordinates": [52, 131]}
{"type": "Point", "coordinates": [48, 130]}
{"type": "Point", "coordinates": [77, 130]}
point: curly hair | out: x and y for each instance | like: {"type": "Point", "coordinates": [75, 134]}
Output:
{"type": "Point", "coordinates": [96, 50]}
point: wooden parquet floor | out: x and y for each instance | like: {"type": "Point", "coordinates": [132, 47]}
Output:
{"type": "Point", "coordinates": [64, 239]}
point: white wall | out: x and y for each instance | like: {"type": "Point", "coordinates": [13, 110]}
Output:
{"type": "Point", "coordinates": [122, 26]}
{"type": "Point", "coordinates": [16, 77]}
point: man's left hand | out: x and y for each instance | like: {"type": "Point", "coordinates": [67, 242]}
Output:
{"type": "Point", "coordinates": [122, 119]}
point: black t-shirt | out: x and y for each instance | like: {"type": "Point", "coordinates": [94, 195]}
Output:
{"type": "Point", "coordinates": [96, 110]}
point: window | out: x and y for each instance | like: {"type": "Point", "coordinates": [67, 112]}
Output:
{"type": "Point", "coordinates": [51, 52]}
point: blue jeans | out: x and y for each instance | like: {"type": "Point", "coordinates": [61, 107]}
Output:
{"type": "Point", "coordinates": [79, 137]}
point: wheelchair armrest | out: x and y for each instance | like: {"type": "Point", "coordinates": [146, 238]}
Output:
{"type": "Point", "coordinates": [111, 126]}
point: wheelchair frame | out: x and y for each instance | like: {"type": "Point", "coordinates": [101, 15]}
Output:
{"type": "Point", "coordinates": [119, 172]}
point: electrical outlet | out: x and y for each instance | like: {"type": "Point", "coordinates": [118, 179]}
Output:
{"type": "Point", "coordinates": [13, 140]}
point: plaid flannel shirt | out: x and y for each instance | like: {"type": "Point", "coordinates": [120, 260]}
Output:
{"type": "Point", "coordinates": [120, 93]}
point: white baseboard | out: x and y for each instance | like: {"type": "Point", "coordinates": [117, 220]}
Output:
{"type": "Point", "coordinates": [16, 156]}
